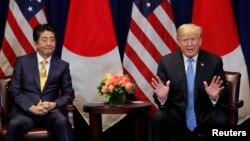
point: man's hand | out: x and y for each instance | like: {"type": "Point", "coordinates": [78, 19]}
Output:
{"type": "Point", "coordinates": [214, 88]}
{"type": "Point", "coordinates": [160, 89]}
{"type": "Point", "coordinates": [42, 108]}
{"type": "Point", "coordinates": [38, 109]}
{"type": "Point", "coordinates": [48, 105]}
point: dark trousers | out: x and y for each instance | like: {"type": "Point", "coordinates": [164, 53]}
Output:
{"type": "Point", "coordinates": [165, 124]}
{"type": "Point", "coordinates": [55, 122]}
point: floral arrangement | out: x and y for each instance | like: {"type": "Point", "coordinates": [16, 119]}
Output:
{"type": "Point", "coordinates": [113, 85]}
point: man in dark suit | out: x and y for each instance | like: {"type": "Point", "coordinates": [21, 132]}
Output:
{"type": "Point", "coordinates": [36, 106]}
{"type": "Point", "coordinates": [171, 88]}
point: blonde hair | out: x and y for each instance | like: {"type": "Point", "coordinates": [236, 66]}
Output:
{"type": "Point", "coordinates": [189, 28]}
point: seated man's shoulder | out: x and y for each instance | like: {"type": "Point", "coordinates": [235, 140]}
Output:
{"type": "Point", "coordinates": [209, 54]}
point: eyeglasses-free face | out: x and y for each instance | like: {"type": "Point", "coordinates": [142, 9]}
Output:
{"type": "Point", "coordinates": [189, 44]}
{"type": "Point", "coordinates": [193, 40]}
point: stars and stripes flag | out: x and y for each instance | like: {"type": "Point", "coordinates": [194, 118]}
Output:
{"type": "Point", "coordinates": [22, 17]}
{"type": "Point", "coordinates": [152, 34]}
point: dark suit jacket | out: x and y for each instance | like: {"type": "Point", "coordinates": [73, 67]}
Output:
{"type": "Point", "coordinates": [25, 83]}
{"type": "Point", "coordinates": [171, 67]}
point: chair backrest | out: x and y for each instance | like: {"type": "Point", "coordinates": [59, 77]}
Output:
{"type": "Point", "coordinates": [233, 102]}
{"type": "Point", "coordinates": [4, 94]}
{"type": "Point", "coordinates": [233, 83]}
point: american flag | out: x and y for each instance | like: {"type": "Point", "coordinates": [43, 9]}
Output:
{"type": "Point", "coordinates": [152, 34]}
{"type": "Point", "coordinates": [23, 16]}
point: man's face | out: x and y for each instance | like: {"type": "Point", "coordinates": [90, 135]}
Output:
{"type": "Point", "coordinates": [189, 44]}
{"type": "Point", "coordinates": [46, 44]}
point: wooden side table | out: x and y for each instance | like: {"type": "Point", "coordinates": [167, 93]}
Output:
{"type": "Point", "coordinates": [139, 110]}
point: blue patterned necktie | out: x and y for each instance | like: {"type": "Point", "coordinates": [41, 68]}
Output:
{"type": "Point", "coordinates": [190, 113]}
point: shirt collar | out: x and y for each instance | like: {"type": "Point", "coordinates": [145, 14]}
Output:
{"type": "Point", "coordinates": [186, 58]}
{"type": "Point", "coordinates": [40, 59]}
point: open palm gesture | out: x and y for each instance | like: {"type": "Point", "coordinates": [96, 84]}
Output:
{"type": "Point", "coordinates": [214, 88]}
{"type": "Point", "coordinates": [159, 88]}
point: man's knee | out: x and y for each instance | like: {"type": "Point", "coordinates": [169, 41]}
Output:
{"type": "Point", "coordinates": [159, 117]}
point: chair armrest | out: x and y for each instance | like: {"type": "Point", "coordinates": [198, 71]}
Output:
{"type": "Point", "coordinates": [69, 108]}
{"type": "Point", "coordinates": [234, 106]}
{"type": "Point", "coordinates": [1, 118]}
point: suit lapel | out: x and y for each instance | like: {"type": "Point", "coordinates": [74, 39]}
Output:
{"type": "Point", "coordinates": [182, 76]}
{"type": "Point", "coordinates": [200, 71]}
{"type": "Point", "coordinates": [52, 69]}
{"type": "Point", "coordinates": [35, 72]}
